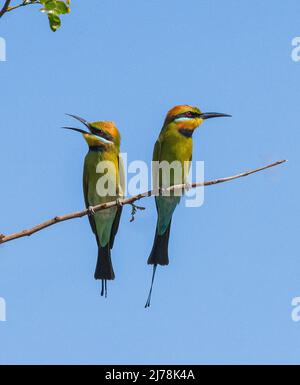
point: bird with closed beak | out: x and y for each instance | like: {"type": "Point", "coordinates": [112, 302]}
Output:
{"type": "Point", "coordinates": [174, 144]}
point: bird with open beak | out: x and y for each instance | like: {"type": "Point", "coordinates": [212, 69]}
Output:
{"type": "Point", "coordinates": [102, 179]}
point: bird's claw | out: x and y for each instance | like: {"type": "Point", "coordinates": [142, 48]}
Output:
{"type": "Point", "coordinates": [187, 186]}
{"type": "Point", "coordinates": [119, 202]}
{"type": "Point", "coordinates": [91, 211]}
{"type": "Point", "coordinates": [163, 191]}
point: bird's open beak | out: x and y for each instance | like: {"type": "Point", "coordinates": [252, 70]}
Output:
{"type": "Point", "coordinates": [210, 115]}
{"type": "Point", "coordinates": [91, 132]}
{"type": "Point", "coordinates": [83, 121]}
{"type": "Point", "coordinates": [78, 129]}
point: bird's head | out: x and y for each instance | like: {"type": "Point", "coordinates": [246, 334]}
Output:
{"type": "Point", "coordinates": [186, 118]}
{"type": "Point", "coordinates": [99, 134]}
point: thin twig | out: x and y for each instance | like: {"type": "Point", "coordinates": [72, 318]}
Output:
{"type": "Point", "coordinates": [134, 209]}
{"type": "Point", "coordinates": [126, 201]}
{"type": "Point", "coordinates": [7, 8]}
{"type": "Point", "coordinates": [4, 8]}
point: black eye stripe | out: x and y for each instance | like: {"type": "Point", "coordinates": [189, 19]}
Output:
{"type": "Point", "coordinates": [188, 114]}
{"type": "Point", "coordinates": [99, 132]}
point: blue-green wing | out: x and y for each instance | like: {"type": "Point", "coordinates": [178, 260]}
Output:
{"type": "Point", "coordinates": [115, 226]}
{"type": "Point", "coordinates": [85, 193]}
{"type": "Point", "coordinates": [165, 206]}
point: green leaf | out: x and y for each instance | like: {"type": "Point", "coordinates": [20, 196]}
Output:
{"type": "Point", "coordinates": [50, 5]}
{"type": "Point", "coordinates": [62, 7]}
{"type": "Point", "coordinates": [55, 8]}
{"type": "Point", "coordinates": [54, 21]}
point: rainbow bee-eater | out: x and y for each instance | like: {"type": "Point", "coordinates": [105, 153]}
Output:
{"type": "Point", "coordinates": [174, 144]}
{"type": "Point", "coordinates": [102, 182]}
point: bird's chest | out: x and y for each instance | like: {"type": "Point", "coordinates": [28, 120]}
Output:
{"type": "Point", "coordinates": [101, 173]}
{"type": "Point", "coordinates": [100, 164]}
{"type": "Point", "coordinates": [177, 149]}
{"type": "Point", "coordinates": [177, 155]}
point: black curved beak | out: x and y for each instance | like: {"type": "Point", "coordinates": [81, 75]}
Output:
{"type": "Point", "coordinates": [81, 120]}
{"type": "Point", "coordinates": [210, 115]}
{"type": "Point", "coordinates": [97, 132]}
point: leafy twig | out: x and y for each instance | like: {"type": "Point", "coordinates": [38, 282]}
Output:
{"type": "Point", "coordinates": [52, 8]}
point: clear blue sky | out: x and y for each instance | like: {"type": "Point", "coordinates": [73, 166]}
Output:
{"type": "Point", "coordinates": [235, 266]}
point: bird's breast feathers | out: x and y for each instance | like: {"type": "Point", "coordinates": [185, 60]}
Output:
{"type": "Point", "coordinates": [175, 146]}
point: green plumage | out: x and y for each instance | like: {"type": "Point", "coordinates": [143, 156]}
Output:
{"type": "Point", "coordinates": [102, 220]}
{"type": "Point", "coordinates": [170, 147]}
{"type": "Point", "coordinates": [174, 145]}
{"type": "Point", "coordinates": [103, 182]}
{"type": "Point", "coordinates": [104, 223]}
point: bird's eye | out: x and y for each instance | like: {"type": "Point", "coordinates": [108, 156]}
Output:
{"type": "Point", "coordinates": [188, 114]}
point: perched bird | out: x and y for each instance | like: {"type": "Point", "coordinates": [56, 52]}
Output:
{"type": "Point", "coordinates": [175, 144]}
{"type": "Point", "coordinates": [102, 182]}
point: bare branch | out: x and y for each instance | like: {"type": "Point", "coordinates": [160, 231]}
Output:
{"type": "Point", "coordinates": [5, 8]}
{"type": "Point", "coordinates": [126, 201]}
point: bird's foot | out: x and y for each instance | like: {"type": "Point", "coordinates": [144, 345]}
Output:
{"type": "Point", "coordinates": [119, 202]}
{"type": "Point", "coordinates": [91, 211]}
{"type": "Point", "coordinates": [188, 186]}
{"type": "Point", "coordinates": [164, 191]}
